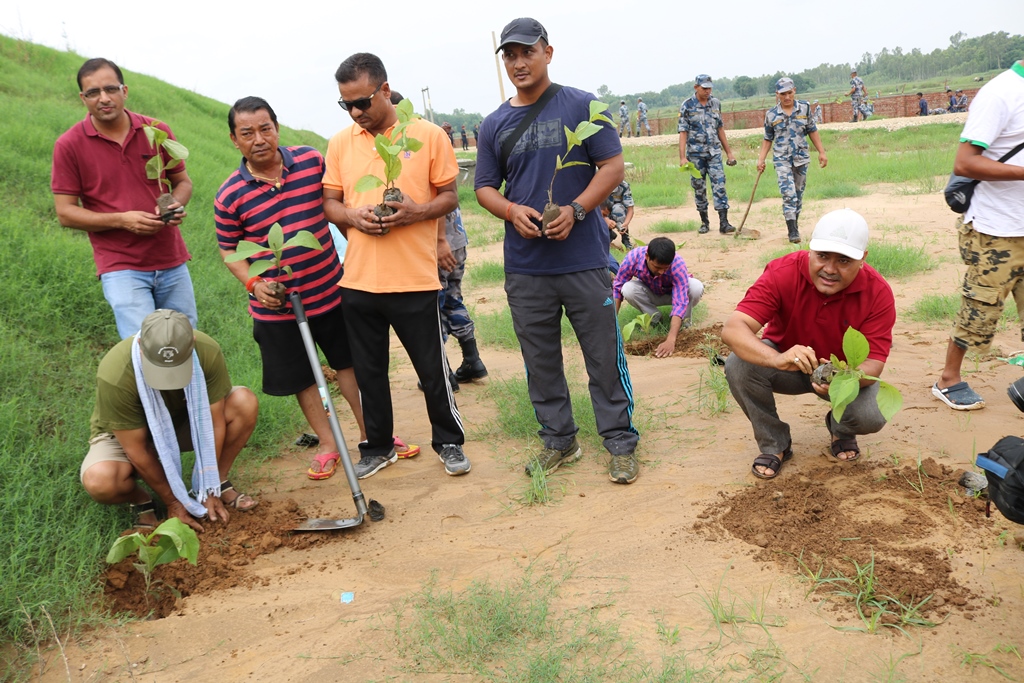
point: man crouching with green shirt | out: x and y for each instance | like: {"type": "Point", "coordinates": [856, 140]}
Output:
{"type": "Point", "coordinates": [160, 392]}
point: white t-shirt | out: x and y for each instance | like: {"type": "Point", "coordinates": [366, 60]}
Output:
{"type": "Point", "coordinates": [996, 122]}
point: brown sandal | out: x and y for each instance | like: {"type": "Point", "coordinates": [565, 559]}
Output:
{"type": "Point", "coordinates": [242, 502]}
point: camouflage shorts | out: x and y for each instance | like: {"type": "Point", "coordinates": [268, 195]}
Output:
{"type": "Point", "coordinates": [995, 268]}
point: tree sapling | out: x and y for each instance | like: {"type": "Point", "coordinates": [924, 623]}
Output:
{"type": "Point", "coordinates": [843, 378]}
{"type": "Point", "coordinates": [171, 540]}
{"type": "Point", "coordinates": [643, 321]}
{"type": "Point", "coordinates": [573, 138]}
{"type": "Point", "coordinates": [275, 246]}
{"type": "Point", "coordinates": [390, 151]}
{"type": "Point", "coordinates": [156, 169]}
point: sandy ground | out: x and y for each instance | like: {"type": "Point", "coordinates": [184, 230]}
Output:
{"type": "Point", "coordinates": [644, 552]}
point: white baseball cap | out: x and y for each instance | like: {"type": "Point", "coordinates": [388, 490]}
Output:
{"type": "Point", "coordinates": [842, 232]}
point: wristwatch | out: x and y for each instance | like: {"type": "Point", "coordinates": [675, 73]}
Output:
{"type": "Point", "coordinates": [578, 212]}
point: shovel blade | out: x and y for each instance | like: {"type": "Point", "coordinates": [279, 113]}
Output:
{"type": "Point", "coordinates": [748, 234]}
{"type": "Point", "coordinates": [329, 524]}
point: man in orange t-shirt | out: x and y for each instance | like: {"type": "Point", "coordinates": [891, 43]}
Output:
{"type": "Point", "coordinates": [390, 275]}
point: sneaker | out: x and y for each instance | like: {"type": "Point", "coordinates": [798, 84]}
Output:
{"type": "Point", "coordinates": [455, 461]}
{"type": "Point", "coordinates": [552, 458]}
{"type": "Point", "coordinates": [624, 469]}
{"type": "Point", "coordinates": [370, 465]}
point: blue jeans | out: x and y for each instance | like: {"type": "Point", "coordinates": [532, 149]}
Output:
{"type": "Point", "coordinates": [134, 294]}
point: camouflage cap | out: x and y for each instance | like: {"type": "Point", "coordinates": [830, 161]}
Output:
{"type": "Point", "coordinates": [784, 85]}
{"type": "Point", "coordinates": [524, 31]}
{"type": "Point", "coordinates": [703, 81]}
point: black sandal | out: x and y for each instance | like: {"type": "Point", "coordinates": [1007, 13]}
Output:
{"type": "Point", "coordinates": [841, 445]}
{"type": "Point", "coordinates": [239, 500]}
{"type": "Point", "coordinates": [771, 461]}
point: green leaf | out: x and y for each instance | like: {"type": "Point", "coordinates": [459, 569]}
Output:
{"type": "Point", "coordinates": [413, 145]}
{"type": "Point", "coordinates": [587, 129]}
{"type": "Point", "coordinates": [382, 143]}
{"type": "Point", "coordinates": [183, 538]}
{"type": "Point", "coordinates": [558, 163]}
{"type": "Point", "coordinates": [889, 400]}
{"type": "Point", "coordinates": [124, 546]}
{"type": "Point", "coordinates": [834, 360]}
{"type": "Point", "coordinates": [367, 183]}
{"type": "Point", "coordinates": [260, 267]}
{"type": "Point", "coordinates": [841, 392]}
{"type": "Point", "coordinates": [287, 270]}
{"type": "Point", "coordinates": [304, 238]}
{"type": "Point", "coordinates": [597, 108]}
{"type": "Point", "coordinates": [392, 169]}
{"type": "Point", "coordinates": [394, 150]}
{"type": "Point", "coordinates": [688, 167]}
{"type": "Point", "coordinates": [627, 329]}
{"type": "Point", "coordinates": [855, 347]}
{"type": "Point", "coordinates": [150, 131]}
{"type": "Point", "coordinates": [404, 108]}
{"type": "Point", "coordinates": [246, 249]}
{"type": "Point", "coordinates": [571, 137]}
{"type": "Point", "coordinates": [154, 167]}
{"type": "Point", "coordinates": [574, 163]}
{"type": "Point", "coordinates": [275, 239]}
{"type": "Point", "coordinates": [175, 149]}
{"type": "Point", "coordinates": [159, 137]}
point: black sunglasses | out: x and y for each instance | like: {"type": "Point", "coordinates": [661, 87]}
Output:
{"type": "Point", "coordinates": [362, 104]}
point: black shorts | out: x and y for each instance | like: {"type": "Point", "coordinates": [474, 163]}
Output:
{"type": "Point", "coordinates": [286, 369]}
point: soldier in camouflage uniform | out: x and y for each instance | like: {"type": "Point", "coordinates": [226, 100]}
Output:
{"type": "Point", "coordinates": [857, 96]}
{"type": "Point", "coordinates": [624, 120]}
{"type": "Point", "coordinates": [455, 318]}
{"type": "Point", "coordinates": [620, 210]}
{"type": "Point", "coordinates": [787, 126]}
{"type": "Point", "coordinates": [818, 117]}
{"type": "Point", "coordinates": [701, 140]}
{"type": "Point", "coordinates": [641, 117]}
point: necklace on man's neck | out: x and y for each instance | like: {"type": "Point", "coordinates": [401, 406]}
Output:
{"type": "Point", "coordinates": [276, 182]}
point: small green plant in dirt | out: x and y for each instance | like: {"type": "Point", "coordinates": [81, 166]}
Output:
{"type": "Point", "coordinates": [643, 321]}
{"type": "Point", "coordinates": [391, 150]}
{"type": "Point", "coordinates": [712, 388]}
{"type": "Point", "coordinates": [843, 378]}
{"type": "Point", "coordinates": [974, 659]}
{"type": "Point", "coordinates": [156, 169]}
{"type": "Point", "coordinates": [573, 138]}
{"type": "Point", "coordinates": [275, 247]}
{"type": "Point", "coordinates": [168, 542]}
{"type": "Point", "coordinates": [540, 488]}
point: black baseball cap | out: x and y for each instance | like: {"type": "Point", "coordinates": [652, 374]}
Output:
{"type": "Point", "coordinates": [524, 31]}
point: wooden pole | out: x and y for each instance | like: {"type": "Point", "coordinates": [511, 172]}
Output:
{"type": "Point", "coordinates": [497, 66]}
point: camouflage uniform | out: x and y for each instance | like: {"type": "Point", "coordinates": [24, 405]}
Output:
{"type": "Point", "coordinates": [621, 199]}
{"type": "Point", "coordinates": [858, 96]}
{"type": "Point", "coordinates": [641, 118]}
{"type": "Point", "coordinates": [818, 118]}
{"type": "Point", "coordinates": [624, 121]}
{"type": "Point", "coordinates": [995, 268]}
{"type": "Point", "coordinates": [704, 150]}
{"type": "Point", "coordinates": [788, 135]}
{"type": "Point", "coordinates": [455, 318]}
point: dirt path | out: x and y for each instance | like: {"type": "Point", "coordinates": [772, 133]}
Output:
{"type": "Point", "coordinates": [645, 553]}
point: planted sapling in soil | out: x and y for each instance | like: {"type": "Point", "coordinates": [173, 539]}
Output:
{"type": "Point", "coordinates": [843, 378]}
{"type": "Point", "coordinates": [157, 170]}
{"type": "Point", "coordinates": [170, 541]}
{"type": "Point", "coordinates": [391, 151]}
{"type": "Point", "coordinates": [573, 138]}
{"type": "Point", "coordinates": [275, 246]}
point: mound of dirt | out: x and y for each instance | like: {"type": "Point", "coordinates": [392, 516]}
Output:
{"type": "Point", "coordinates": [690, 343]}
{"type": "Point", "coordinates": [904, 519]}
{"type": "Point", "coordinates": [225, 553]}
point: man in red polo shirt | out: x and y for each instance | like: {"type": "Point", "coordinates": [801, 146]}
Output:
{"type": "Point", "coordinates": [805, 301]}
{"type": "Point", "coordinates": [100, 186]}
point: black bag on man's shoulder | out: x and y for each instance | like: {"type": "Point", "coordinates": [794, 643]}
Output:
{"type": "Point", "coordinates": [959, 191]}
{"type": "Point", "coordinates": [1004, 469]}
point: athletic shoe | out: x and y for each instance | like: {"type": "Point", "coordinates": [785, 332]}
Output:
{"type": "Point", "coordinates": [550, 459]}
{"type": "Point", "coordinates": [624, 469]}
{"type": "Point", "coordinates": [455, 461]}
{"type": "Point", "coordinates": [370, 465]}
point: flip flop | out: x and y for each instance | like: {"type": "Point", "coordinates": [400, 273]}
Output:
{"type": "Point", "coordinates": [405, 451]}
{"type": "Point", "coordinates": [771, 461]}
{"type": "Point", "coordinates": [323, 459]}
{"type": "Point", "coordinates": [841, 445]}
{"type": "Point", "coordinates": [243, 502]}
{"type": "Point", "coordinates": [959, 396]}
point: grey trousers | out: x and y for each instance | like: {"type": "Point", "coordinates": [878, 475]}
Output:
{"type": "Point", "coordinates": [640, 296]}
{"type": "Point", "coordinates": [536, 302]}
{"type": "Point", "coordinates": [754, 388]}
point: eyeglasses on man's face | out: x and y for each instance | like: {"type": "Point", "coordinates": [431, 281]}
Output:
{"type": "Point", "coordinates": [362, 104]}
{"type": "Point", "coordinates": [93, 93]}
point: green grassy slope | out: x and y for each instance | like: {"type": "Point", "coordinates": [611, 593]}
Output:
{"type": "Point", "coordinates": [55, 326]}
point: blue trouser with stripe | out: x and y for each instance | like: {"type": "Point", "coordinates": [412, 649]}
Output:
{"type": "Point", "coordinates": [536, 302]}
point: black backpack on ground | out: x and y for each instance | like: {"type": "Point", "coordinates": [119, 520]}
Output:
{"type": "Point", "coordinates": [1004, 468]}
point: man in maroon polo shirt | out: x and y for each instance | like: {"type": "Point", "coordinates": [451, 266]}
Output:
{"type": "Point", "coordinates": [100, 186]}
{"type": "Point", "coordinates": [805, 301]}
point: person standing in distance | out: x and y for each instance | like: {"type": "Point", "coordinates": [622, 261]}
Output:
{"type": "Point", "coordinates": [701, 141]}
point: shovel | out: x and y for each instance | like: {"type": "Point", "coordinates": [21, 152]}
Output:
{"type": "Point", "coordinates": [749, 234]}
{"type": "Point", "coordinates": [374, 509]}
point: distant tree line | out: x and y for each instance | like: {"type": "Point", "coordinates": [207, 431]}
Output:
{"type": "Point", "coordinates": [963, 57]}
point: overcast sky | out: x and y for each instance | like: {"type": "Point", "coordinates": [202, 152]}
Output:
{"type": "Point", "coordinates": [287, 51]}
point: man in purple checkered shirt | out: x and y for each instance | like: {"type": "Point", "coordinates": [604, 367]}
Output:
{"type": "Point", "coordinates": [655, 276]}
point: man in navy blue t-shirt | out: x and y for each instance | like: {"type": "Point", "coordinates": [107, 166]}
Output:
{"type": "Point", "coordinates": [565, 266]}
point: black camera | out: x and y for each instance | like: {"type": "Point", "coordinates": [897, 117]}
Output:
{"type": "Point", "coordinates": [1016, 393]}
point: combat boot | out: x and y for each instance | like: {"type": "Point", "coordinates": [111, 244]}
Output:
{"type": "Point", "coordinates": [724, 227]}
{"type": "Point", "coordinates": [472, 367]}
{"type": "Point", "coordinates": [794, 231]}
{"type": "Point", "coordinates": [626, 242]}
{"type": "Point", "coordinates": [705, 224]}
